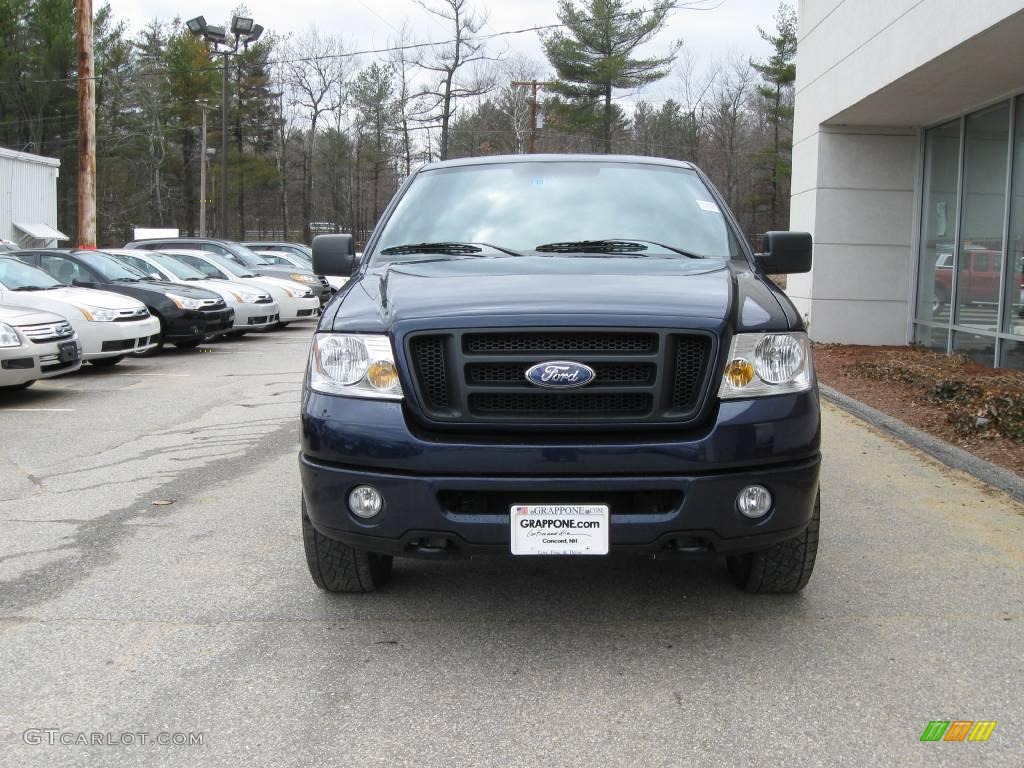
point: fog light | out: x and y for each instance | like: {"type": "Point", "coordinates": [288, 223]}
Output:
{"type": "Point", "coordinates": [365, 501]}
{"type": "Point", "coordinates": [754, 501]}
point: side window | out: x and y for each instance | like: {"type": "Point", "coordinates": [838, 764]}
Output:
{"type": "Point", "coordinates": [203, 266]}
{"type": "Point", "coordinates": [214, 248]}
{"type": "Point", "coordinates": [141, 265]}
{"type": "Point", "coordinates": [981, 261]}
{"type": "Point", "coordinates": [61, 269]}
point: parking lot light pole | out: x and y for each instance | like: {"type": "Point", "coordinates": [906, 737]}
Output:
{"type": "Point", "coordinates": [225, 43]}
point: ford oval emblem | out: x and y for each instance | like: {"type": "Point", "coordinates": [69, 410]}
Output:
{"type": "Point", "coordinates": [560, 374]}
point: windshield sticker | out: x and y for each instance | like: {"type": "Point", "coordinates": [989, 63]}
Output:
{"type": "Point", "coordinates": [708, 206]}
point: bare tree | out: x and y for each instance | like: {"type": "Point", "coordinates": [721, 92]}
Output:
{"type": "Point", "coordinates": [403, 67]}
{"type": "Point", "coordinates": [317, 69]}
{"type": "Point", "coordinates": [729, 126]}
{"type": "Point", "coordinates": [514, 101]}
{"type": "Point", "coordinates": [454, 66]}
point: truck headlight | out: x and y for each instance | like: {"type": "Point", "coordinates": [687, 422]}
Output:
{"type": "Point", "coordinates": [8, 336]}
{"type": "Point", "coordinates": [183, 302]}
{"type": "Point", "coordinates": [97, 314]}
{"type": "Point", "coordinates": [762, 364]}
{"type": "Point", "coordinates": [354, 365]}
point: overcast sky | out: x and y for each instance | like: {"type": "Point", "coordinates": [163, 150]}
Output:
{"type": "Point", "coordinates": [728, 30]}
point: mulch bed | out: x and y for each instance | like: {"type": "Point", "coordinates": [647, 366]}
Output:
{"type": "Point", "coordinates": [976, 408]}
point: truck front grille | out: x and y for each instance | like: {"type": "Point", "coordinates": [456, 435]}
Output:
{"type": "Point", "coordinates": [641, 377]}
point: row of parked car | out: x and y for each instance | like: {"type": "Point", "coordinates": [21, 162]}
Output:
{"type": "Point", "coordinates": [60, 308]}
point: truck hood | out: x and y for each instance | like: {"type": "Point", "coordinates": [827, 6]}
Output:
{"type": "Point", "coordinates": [380, 298]}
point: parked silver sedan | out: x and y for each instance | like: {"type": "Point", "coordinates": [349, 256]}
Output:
{"type": "Point", "coordinates": [34, 345]}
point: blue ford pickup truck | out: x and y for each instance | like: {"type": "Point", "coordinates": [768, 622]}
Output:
{"type": "Point", "coordinates": [560, 355]}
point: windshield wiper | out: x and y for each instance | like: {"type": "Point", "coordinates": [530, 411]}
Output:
{"type": "Point", "coordinates": [31, 288]}
{"type": "Point", "coordinates": [126, 279]}
{"type": "Point", "coordinates": [446, 248]}
{"type": "Point", "coordinates": [620, 245]}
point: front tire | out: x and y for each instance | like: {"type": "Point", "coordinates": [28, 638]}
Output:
{"type": "Point", "coordinates": [337, 567]}
{"type": "Point", "coordinates": [784, 567]}
{"type": "Point", "coordinates": [107, 362]}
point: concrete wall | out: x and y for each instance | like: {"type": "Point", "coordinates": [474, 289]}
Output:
{"type": "Point", "coordinates": [856, 196]}
{"type": "Point", "coordinates": [870, 74]}
{"type": "Point", "coordinates": [28, 193]}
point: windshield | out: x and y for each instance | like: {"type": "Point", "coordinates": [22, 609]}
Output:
{"type": "Point", "coordinates": [179, 269]}
{"type": "Point", "coordinates": [524, 205]}
{"type": "Point", "coordinates": [109, 267]}
{"type": "Point", "coordinates": [15, 275]}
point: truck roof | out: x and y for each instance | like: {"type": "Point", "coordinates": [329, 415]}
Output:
{"type": "Point", "coordinates": [495, 159]}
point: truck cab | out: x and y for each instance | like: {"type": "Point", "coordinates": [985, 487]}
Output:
{"type": "Point", "coordinates": [560, 356]}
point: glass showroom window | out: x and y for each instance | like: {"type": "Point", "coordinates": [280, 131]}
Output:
{"type": "Point", "coordinates": [938, 233]}
{"type": "Point", "coordinates": [979, 270]}
{"type": "Point", "coordinates": [970, 281]}
{"type": "Point", "coordinates": [1013, 304]}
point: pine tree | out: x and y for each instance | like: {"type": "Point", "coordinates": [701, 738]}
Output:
{"type": "Point", "coordinates": [593, 56]}
{"type": "Point", "coordinates": [779, 75]}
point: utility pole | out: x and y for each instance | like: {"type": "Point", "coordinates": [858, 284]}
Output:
{"type": "Point", "coordinates": [86, 129]}
{"type": "Point", "coordinates": [202, 176]}
{"type": "Point", "coordinates": [534, 85]}
{"type": "Point", "coordinates": [224, 154]}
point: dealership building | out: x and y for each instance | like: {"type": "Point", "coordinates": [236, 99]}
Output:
{"type": "Point", "coordinates": [908, 168]}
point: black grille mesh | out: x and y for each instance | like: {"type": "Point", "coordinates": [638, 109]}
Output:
{"type": "Point", "coordinates": [558, 404]}
{"type": "Point", "coordinates": [515, 374]}
{"type": "Point", "coordinates": [560, 343]}
{"type": "Point", "coordinates": [429, 360]}
{"type": "Point", "coordinates": [691, 358]}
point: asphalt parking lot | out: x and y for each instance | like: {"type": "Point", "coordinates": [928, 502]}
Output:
{"type": "Point", "coordinates": [119, 615]}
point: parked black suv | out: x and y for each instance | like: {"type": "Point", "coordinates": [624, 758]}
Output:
{"type": "Point", "coordinates": [241, 255]}
{"type": "Point", "coordinates": [560, 355]}
{"type": "Point", "coordinates": [187, 315]}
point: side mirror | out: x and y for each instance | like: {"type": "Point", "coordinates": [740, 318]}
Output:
{"type": "Point", "coordinates": [334, 255]}
{"type": "Point", "coordinates": [785, 253]}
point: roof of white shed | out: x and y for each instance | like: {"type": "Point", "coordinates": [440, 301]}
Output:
{"type": "Point", "coordinates": [29, 158]}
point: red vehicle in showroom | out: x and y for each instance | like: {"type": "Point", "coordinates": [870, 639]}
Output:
{"type": "Point", "coordinates": [980, 278]}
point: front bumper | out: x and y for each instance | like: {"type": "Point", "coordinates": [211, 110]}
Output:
{"type": "Point", "coordinates": [31, 361]}
{"type": "Point", "coordinates": [420, 518]}
{"type": "Point", "coordinates": [101, 340]}
{"type": "Point", "coordinates": [295, 310]}
{"type": "Point", "coordinates": [255, 317]}
{"type": "Point", "coordinates": [447, 494]}
{"type": "Point", "coordinates": [191, 324]}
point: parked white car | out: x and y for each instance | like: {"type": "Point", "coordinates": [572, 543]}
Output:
{"type": "Point", "coordinates": [287, 258]}
{"type": "Point", "coordinates": [109, 325]}
{"type": "Point", "coordinates": [255, 309]}
{"type": "Point", "coordinates": [35, 345]}
{"type": "Point", "coordinates": [295, 301]}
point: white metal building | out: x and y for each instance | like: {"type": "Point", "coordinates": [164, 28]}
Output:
{"type": "Point", "coordinates": [28, 199]}
{"type": "Point", "coordinates": [908, 168]}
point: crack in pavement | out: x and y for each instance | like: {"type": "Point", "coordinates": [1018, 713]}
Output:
{"type": "Point", "coordinates": [98, 540]}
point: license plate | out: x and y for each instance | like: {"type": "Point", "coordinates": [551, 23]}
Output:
{"type": "Point", "coordinates": [67, 352]}
{"type": "Point", "coordinates": [559, 529]}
